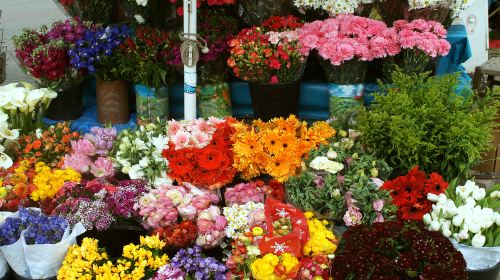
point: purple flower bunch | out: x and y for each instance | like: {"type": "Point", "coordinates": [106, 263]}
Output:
{"type": "Point", "coordinates": [167, 272]}
{"type": "Point", "coordinates": [89, 153]}
{"type": "Point", "coordinates": [40, 229]}
{"type": "Point", "coordinates": [69, 30]}
{"type": "Point", "coordinates": [192, 262]}
{"type": "Point", "coordinates": [126, 195]}
{"type": "Point", "coordinates": [98, 49]}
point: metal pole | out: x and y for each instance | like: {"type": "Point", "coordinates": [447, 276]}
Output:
{"type": "Point", "coordinates": [190, 68]}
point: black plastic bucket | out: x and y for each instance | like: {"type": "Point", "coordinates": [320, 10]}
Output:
{"type": "Point", "coordinates": [67, 105]}
{"type": "Point", "coordinates": [274, 100]}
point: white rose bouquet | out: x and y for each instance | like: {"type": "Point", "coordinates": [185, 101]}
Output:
{"type": "Point", "coordinates": [138, 152]}
{"type": "Point", "coordinates": [468, 214]}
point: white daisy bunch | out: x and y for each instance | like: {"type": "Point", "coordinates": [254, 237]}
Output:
{"type": "Point", "coordinates": [138, 153]}
{"type": "Point", "coordinates": [468, 214]}
{"type": "Point", "coordinates": [238, 216]}
{"type": "Point", "coordinates": [333, 7]}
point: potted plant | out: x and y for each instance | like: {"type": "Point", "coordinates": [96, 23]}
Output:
{"type": "Point", "coordinates": [344, 44]}
{"type": "Point", "coordinates": [272, 64]}
{"type": "Point", "coordinates": [99, 53]}
{"type": "Point", "coordinates": [146, 55]}
{"type": "Point", "coordinates": [396, 250]}
{"type": "Point", "coordinates": [44, 56]}
{"type": "Point", "coordinates": [468, 215]}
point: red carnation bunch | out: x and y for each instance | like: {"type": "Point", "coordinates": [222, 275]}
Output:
{"type": "Point", "coordinates": [211, 166]}
{"type": "Point", "coordinates": [180, 235]}
{"type": "Point", "coordinates": [282, 23]}
{"type": "Point", "coordinates": [409, 192]}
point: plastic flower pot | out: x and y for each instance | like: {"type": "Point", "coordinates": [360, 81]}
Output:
{"type": "Point", "coordinates": [151, 104]}
{"type": "Point", "coordinates": [484, 274]}
{"type": "Point", "coordinates": [112, 102]}
{"type": "Point", "coordinates": [67, 105]}
{"type": "Point", "coordinates": [214, 100]}
{"type": "Point", "coordinates": [274, 100]}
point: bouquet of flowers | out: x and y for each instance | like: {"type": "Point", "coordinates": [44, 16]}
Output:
{"type": "Point", "coordinates": [276, 147]}
{"type": "Point", "coordinates": [200, 152]}
{"type": "Point", "coordinates": [420, 40]}
{"type": "Point", "coordinates": [99, 203]}
{"type": "Point", "coordinates": [190, 263]}
{"type": "Point", "coordinates": [99, 53]}
{"type": "Point", "coordinates": [245, 192]}
{"type": "Point", "coordinates": [90, 153]}
{"type": "Point", "coordinates": [468, 215]}
{"type": "Point", "coordinates": [42, 235]}
{"type": "Point", "coordinates": [6, 134]}
{"type": "Point", "coordinates": [410, 192]}
{"type": "Point", "coordinates": [25, 106]}
{"type": "Point", "coordinates": [137, 153]}
{"type": "Point", "coordinates": [342, 180]}
{"type": "Point", "coordinates": [332, 7]}
{"type": "Point", "coordinates": [16, 186]}
{"type": "Point", "coordinates": [398, 249]}
{"type": "Point", "coordinates": [98, 11]}
{"type": "Point", "coordinates": [345, 42]}
{"type": "Point", "coordinates": [243, 217]}
{"type": "Point", "coordinates": [266, 57]}
{"type": "Point", "coordinates": [44, 54]}
{"type": "Point", "coordinates": [139, 261]}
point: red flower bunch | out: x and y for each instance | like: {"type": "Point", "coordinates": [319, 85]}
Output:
{"type": "Point", "coordinates": [275, 189]}
{"type": "Point", "coordinates": [180, 9]}
{"type": "Point", "coordinates": [211, 166]}
{"type": "Point", "coordinates": [281, 23]}
{"type": "Point", "coordinates": [314, 266]}
{"type": "Point", "coordinates": [271, 57]}
{"type": "Point", "coordinates": [180, 235]}
{"type": "Point", "coordinates": [397, 250]}
{"type": "Point", "coordinates": [409, 192]}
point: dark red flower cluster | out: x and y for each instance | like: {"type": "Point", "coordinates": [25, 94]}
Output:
{"type": "Point", "coordinates": [180, 235]}
{"type": "Point", "coordinates": [409, 192]}
{"type": "Point", "coordinates": [282, 23]}
{"type": "Point", "coordinates": [275, 189]}
{"type": "Point", "coordinates": [180, 8]}
{"type": "Point", "coordinates": [148, 43]}
{"type": "Point", "coordinates": [397, 250]}
{"type": "Point", "coordinates": [211, 166]}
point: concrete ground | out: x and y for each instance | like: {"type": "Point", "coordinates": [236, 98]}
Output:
{"type": "Point", "coordinates": [20, 14]}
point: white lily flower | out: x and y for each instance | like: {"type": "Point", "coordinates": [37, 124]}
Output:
{"type": "Point", "coordinates": [5, 132]}
{"type": "Point", "coordinates": [5, 161]}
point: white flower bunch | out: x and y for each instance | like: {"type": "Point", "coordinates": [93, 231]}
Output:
{"type": "Point", "coordinates": [333, 7]}
{"type": "Point", "coordinates": [467, 214]}
{"type": "Point", "coordinates": [455, 5]}
{"type": "Point", "coordinates": [138, 153]}
{"type": "Point", "coordinates": [143, 3]}
{"type": "Point", "coordinates": [6, 134]}
{"type": "Point", "coordinates": [238, 217]}
{"type": "Point", "coordinates": [325, 164]}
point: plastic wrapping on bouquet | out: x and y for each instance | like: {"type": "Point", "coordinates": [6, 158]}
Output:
{"type": "Point", "coordinates": [344, 98]}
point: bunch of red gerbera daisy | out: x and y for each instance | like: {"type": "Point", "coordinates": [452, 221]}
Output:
{"type": "Point", "coordinates": [409, 192]}
{"type": "Point", "coordinates": [211, 166]}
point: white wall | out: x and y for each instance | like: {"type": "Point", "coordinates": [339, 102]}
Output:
{"type": "Point", "coordinates": [477, 33]}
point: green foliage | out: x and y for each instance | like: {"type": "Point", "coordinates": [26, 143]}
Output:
{"type": "Point", "coordinates": [422, 121]}
{"type": "Point", "coordinates": [324, 191]}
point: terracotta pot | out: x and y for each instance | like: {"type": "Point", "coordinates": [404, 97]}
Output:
{"type": "Point", "coordinates": [112, 102]}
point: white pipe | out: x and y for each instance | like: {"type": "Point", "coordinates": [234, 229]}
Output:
{"type": "Point", "coordinates": [190, 72]}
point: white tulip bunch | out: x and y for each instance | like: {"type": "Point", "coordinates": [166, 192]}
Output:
{"type": "Point", "coordinates": [25, 104]}
{"type": "Point", "coordinates": [467, 214]}
{"type": "Point", "coordinates": [138, 153]}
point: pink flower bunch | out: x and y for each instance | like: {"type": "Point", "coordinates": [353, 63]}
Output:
{"type": "Point", "coordinates": [164, 205]}
{"type": "Point", "coordinates": [427, 36]}
{"type": "Point", "coordinates": [348, 37]}
{"type": "Point", "coordinates": [353, 215]}
{"type": "Point", "coordinates": [243, 193]}
{"type": "Point", "coordinates": [192, 134]}
{"type": "Point", "coordinates": [211, 227]}
{"type": "Point", "coordinates": [88, 153]}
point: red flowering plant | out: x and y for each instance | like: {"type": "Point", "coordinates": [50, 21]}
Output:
{"type": "Point", "coordinates": [201, 153]}
{"type": "Point", "coordinates": [409, 192]}
{"type": "Point", "coordinates": [281, 23]}
{"type": "Point", "coordinates": [269, 54]}
{"type": "Point", "coordinates": [44, 55]}
{"type": "Point", "coordinates": [396, 250]}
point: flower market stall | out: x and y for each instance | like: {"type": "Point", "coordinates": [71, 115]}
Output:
{"type": "Point", "coordinates": [236, 139]}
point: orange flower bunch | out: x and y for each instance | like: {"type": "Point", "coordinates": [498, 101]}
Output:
{"type": "Point", "coordinates": [276, 147]}
{"type": "Point", "coordinates": [16, 186]}
{"type": "Point", "coordinates": [48, 145]}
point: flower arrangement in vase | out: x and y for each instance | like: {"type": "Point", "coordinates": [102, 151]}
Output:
{"type": "Point", "coordinates": [106, 60]}
{"type": "Point", "coordinates": [44, 56]}
{"type": "Point", "coordinates": [272, 63]}
{"type": "Point", "coordinates": [344, 44]}
{"type": "Point", "coordinates": [341, 181]}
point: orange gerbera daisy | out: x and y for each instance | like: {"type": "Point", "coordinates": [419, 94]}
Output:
{"type": "Point", "coordinates": [271, 141]}
{"type": "Point", "coordinates": [280, 167]}
{"type": "Point", "coordinates": [248, 145]}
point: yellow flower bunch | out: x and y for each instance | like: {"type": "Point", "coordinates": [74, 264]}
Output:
{"type": "Point", "coordinates": [48, 181]}
{"type": "Point", "coordinates": [272, 267]}
{"type": "Point", "coordinates": [276, 147]}
{"type": "Point", "coordinates": [321, 239]}
{"type": "Point", "coordinates": [90, 262]}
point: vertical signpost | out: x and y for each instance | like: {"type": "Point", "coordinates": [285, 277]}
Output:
{"type": "Point", "coordinates": [190, 56]}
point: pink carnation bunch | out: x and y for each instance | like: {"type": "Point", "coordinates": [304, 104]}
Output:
{"type": "Point", "coordinates": [427, 36]}
{"type": "Point", "coordinates": [348, 37]}
{"type": "Point", "coordinates": [192, 134]}
{"type": "Point", "coordinates": [243, 193]}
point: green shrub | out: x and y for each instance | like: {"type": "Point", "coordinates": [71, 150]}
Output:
{"type": "Point", "coordinates": [423, 121]}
